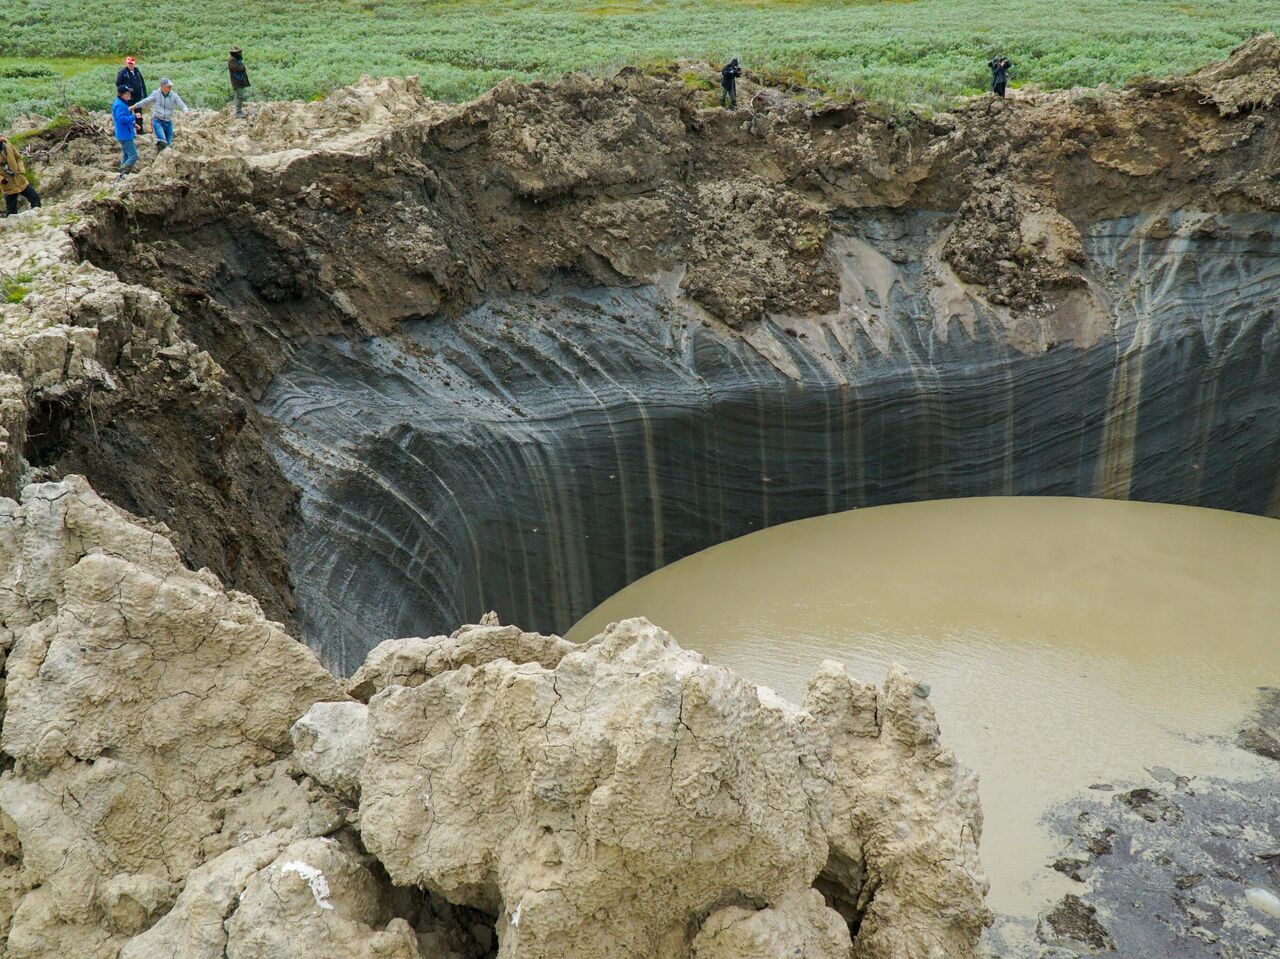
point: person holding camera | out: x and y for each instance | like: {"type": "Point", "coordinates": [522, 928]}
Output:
{"type": "Point", "coordinates": [13, 179]}
{"type": "Point", "coordinates": [239, 78]}
{"type": "Point", "coordinates": [729, 83]}
{"type": "Point", "coordinates": [999, 67]}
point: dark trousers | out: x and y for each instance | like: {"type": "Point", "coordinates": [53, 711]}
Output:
{"type": "Point", "coordinates": [731, 95]}
{"type": "Point", "coordinates": [11, 200]}
{"type": "Point", "coordinates": [998, 88]}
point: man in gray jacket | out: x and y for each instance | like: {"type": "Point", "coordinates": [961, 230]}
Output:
{"type": "Point", "coordinates": [164, 103]}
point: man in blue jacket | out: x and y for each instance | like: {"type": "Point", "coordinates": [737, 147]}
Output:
{"type": "Point", "coordinates": [131, 77]}
{"type": "Point", "coordinates": [126, 128]}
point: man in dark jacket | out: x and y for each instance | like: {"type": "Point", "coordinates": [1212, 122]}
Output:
{"type": "Point", "coordinates": [130, 76]}
{"type": "Point", "coordinates": [239, 78]}
{"type": "Point", "coordinates": [999, 67]}
{"type": "Point", "coordinates": [729, 83]}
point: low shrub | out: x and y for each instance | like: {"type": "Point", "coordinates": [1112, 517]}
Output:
{"type": "Point", "coordinates": [926, 51]}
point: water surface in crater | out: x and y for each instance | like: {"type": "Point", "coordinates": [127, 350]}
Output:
{"type": "Point", "coordinates": [1068, 642]}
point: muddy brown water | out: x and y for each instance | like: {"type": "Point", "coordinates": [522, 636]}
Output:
{"type": "Point", "coordinates": [1068, 642]}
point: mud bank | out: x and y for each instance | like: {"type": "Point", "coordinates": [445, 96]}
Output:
{"type": "Point", "coordinates": [1160, 867]}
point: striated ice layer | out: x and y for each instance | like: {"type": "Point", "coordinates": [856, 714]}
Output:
{"type": "Point", "coordinates": [541, 452]}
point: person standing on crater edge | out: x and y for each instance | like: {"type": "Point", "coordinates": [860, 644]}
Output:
{"type": "Point", "coordinates": [164, 102]}
{"type": "Point", "coordinates": [130, 76]}
{"type": "Point", "coordinates": [239, 78]}
{"type": "Point", "coordinates": [999, 67]}
{"type": "Point", "coordinates": [729, 83]}
{"type": "Point", "coordinates": [126, 129]}
{"type": "Point", "coordinates": [13, 179]}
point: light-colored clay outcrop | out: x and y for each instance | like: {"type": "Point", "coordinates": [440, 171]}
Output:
{"type": "Point", "coordinates": [331, 742]}
{"type": "Point", "coordinates": [621, 797]}
{"type": "Point", "coordinates": [414, 660]}
{"type": "Point", "coordinates": [195, 928]}
{"type": "Point", "coordinates": [906, 820]}
{"type": "Point", "coordinates": [605, 804]}
{"type": "Point", "coordinates": [600, 807]}
{"type": "Point", "coordinates": [798, 924]}
{"type": "Point", "coordinates": [142, 738]}
{"type": "Point", "coordinates": [317, 898]}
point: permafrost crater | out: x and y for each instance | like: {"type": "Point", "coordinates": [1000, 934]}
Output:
{"type": "Point", "coordinates": [378, 365]}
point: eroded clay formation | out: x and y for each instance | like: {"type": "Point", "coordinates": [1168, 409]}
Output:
{"type": "Point", "coordinates": [188, 781]}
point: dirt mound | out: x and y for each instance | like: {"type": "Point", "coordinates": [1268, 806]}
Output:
{"type": "Point", "coordinates": [1248, 80]}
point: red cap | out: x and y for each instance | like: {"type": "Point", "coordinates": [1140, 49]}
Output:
{"type": "Point", "coordinates": [129, 61]}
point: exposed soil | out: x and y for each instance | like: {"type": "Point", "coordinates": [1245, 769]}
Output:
{"type": "Point", "coordinates": [150, 316]}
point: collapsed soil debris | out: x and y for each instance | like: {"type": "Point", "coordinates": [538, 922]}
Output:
{"type": "Point", "coordinates": [627, 796]}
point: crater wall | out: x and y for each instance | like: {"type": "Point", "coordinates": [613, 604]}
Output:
{"type": "Point", "coordinates": [542, 451]}
{"type": "Point", "coordinates": [1026, 337]}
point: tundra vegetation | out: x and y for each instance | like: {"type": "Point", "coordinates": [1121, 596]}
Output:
{"type": "Point", "coordinates": [57, 54]}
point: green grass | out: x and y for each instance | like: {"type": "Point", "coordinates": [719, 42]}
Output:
{"type": "Point", "coordinates": [59, 52]}
{"type": "Point", "coordinates": [14, 289]}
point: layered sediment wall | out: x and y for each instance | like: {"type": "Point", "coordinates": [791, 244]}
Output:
{"type": "Point", "coordinates": [516, 353]}
{"type": "Point", "coordinates": [541, 452]}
